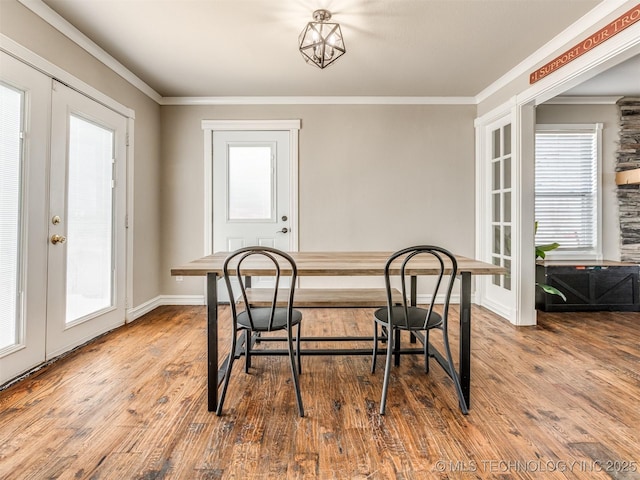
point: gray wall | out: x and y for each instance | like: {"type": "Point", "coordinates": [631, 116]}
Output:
{"type": "Point", "coordinates": [608, 116]}
{"type": "Point", "coordinates": [370, 177]}
{"type": "Point", "coordinates": [29, 30]}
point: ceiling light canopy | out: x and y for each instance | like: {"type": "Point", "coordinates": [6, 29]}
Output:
{"type": "Point", "coordinates": [321, 43]}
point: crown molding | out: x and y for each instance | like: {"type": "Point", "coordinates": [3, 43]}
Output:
{"type": "Point", "coordinates": [328, 100]}
{"type": "Point", "coordinates": [11, 47]}
{"type": "Point", "coordinates": [580, 100]}
{"type": "Point", "coordinates": [588, 20]}
{"type": "Point", "coordinates": [76, 36]}
{"type": "Point", "coordinates": [574, 30]}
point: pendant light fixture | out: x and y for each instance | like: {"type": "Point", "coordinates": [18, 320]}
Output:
{"type": "Point", "coordinates": [321, 42]}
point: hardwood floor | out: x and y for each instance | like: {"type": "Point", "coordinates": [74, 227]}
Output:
{"type": "Point", "coordinates": [559, 400]}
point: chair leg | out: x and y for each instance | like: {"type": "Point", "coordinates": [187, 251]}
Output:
{"type": "Point", "coordinates": [397, 346]}
{"type": "Point", "coordinates": [375, 347]}
{"type": "Point", "coordinates": [426, 351]}
{"type": "Point", "coordinates": [294, 371]}
{"type": "Point", "coordinates": [248, 334]}
{"type": "Point", "coordinates": [387, 371]}
{"type": "Point", "coordinates": [227, 374]}
{"type": "Point", "coordinates": [298, 354]}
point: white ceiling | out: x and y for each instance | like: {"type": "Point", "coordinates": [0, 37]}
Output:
{"type": "Point", "coordinates": [413, 48]}
{"type": "Point", "coordinates": [623, 80]}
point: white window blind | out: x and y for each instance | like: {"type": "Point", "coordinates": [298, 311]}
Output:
{"type": "Point", "coordinates": [10, 192]}
{"type": "Point", "coordinates": [566, 188]}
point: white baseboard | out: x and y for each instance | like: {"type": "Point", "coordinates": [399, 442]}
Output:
{"type": "Point", "coordinates": [498, 309]}
{"type": "Point", "coordinates": [144, 308]}
{"type": "Point", "coordinates": [455, 299]}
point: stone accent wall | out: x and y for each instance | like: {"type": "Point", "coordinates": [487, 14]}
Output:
{"type": "Point", "coordinates": [629, 195]}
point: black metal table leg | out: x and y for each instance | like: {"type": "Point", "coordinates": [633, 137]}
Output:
{"type": "Point", "coordinates": [465, 336]}
{"type": "Point", "coordinates": [212, 341]}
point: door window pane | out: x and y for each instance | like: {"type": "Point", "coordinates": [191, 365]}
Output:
{"type": "Point", "coordinates": [89, 219]}
{"type": "Point", "coordinates": [501, 203]}
{"type": "Point", "coordinates": [10, 215]}
{"type": "Point", "coordinates": [250, 183]}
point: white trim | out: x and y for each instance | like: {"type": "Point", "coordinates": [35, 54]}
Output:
{"type": "Point", "coordinates": [129, 214]}
{"type": "Point", "coordinates": [84, 42]}
{"type": "Point", "coordinates": [162, 300]}
{"type": "Point", "coordinates": [568, 100]}
{"type": "Point", "coordinates": [493, 116]}
{"type": "Point", "coordinates": [522, 245]}
{"type": "Point", "coordinates": [335, 100]}
{"type": "Point", "coordinates": [208, 193]}
{"type": "Point", "coordinates": [209, 126]}
{"type": "Point", "coordinates": [577, 28]}
{"type": "Point", "coordinates": [25, 55]}
{"type": "Point", "coordinates": [623, 46]}
{"type": "Point", "coordinates": [454, 300]}
{"type": "Point", "coordinates": [219, 125]}
{"type": "Point", "coordinates": [497, 308]}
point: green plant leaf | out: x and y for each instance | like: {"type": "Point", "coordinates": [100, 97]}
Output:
{"type": "Point", "coordinates": [552, 291]}
{"type": "Point", "coordinates": [541, 249]}
{"type": "Point", "coordinates": [548, 247]}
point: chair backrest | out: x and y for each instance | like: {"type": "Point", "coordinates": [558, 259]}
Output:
{"type": "Point", "coordinates": [437, 262]}
{"type": "Point", "coordinates": [280, 264]}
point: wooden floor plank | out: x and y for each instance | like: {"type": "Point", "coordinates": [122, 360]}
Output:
{"type": "Point", "coordinates": [559, 400]}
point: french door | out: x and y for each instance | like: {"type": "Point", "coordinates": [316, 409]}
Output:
{"type": "Point", "coordinates": [86, 260]}
{"type": "Point", "coordinates": [496, 218]}
{"type": "Point", "coordinates": [62, 210]}
{"type": "Point", "coordinates": [23, 199]}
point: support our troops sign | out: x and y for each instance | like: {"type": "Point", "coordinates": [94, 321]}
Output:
{"type": "Point", "coordinates": [616, 26]}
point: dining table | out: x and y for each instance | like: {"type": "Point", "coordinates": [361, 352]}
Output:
{"type": "Point", "coordinates": [338, 264]}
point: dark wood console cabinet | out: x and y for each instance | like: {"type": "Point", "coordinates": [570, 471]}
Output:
{"type": "Point", "coordinates": [591, 286]}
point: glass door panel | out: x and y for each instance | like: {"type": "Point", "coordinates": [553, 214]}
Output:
{"type": "Point", "coordinates": [89, 262]}
{"type": "Point", "coordinates": [11, 121]}
{"type": "Point", "coordinates": [501, 203]}
{"type": "Point", "coordinates": [250, 183]}
{"type": "Point", "coordinates": [23, 248]}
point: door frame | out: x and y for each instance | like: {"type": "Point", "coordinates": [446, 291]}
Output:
{"type": "Point", "coordinates": [35, 61]}
{"type": "Point", "coordinates": [623, 46]}
{"type": "Point", "coordinates": [210, 126]}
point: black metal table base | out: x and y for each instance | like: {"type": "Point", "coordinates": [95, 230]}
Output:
{"type": "Point", "coordinates": [217, 372]}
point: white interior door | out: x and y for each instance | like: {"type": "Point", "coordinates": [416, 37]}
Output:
{"type": "Point", "coordinates": [251, 192]}
{"type": "Point", "coordinates": [86, 259]}
{"type": "Point", "coordinates": [497, 174]}
{"type": "Point", "coordinates": [24, 132]}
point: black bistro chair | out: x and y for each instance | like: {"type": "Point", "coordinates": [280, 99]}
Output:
{"type": "Point", "coordinates": [253, 321]}
{"type": "Point", "coordinates": [417, 320]}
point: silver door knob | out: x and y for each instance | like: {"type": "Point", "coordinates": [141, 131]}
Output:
{"type": "Point", "coordinates": [55, 239]}
{"type": "Point", "coordinates": [284, 230]}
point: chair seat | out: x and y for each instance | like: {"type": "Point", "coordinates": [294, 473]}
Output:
{"type": "Point", "coordinates": [416, 319]}
{"type": "Point", "coordinates": [261, 318]}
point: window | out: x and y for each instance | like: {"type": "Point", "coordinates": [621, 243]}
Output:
{"type": "Point", "coordinates": [11, 126]}
{"type": "Point", "coordinates": [567, 194]}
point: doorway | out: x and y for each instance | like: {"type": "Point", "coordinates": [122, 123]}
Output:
{"type": "Point", "coordinates": [251, 185]}
{"type": "Point", "coordinates": [62, 216]}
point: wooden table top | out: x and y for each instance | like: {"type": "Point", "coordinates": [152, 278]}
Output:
{"type": "Point", "coordinates": [335, 264]}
